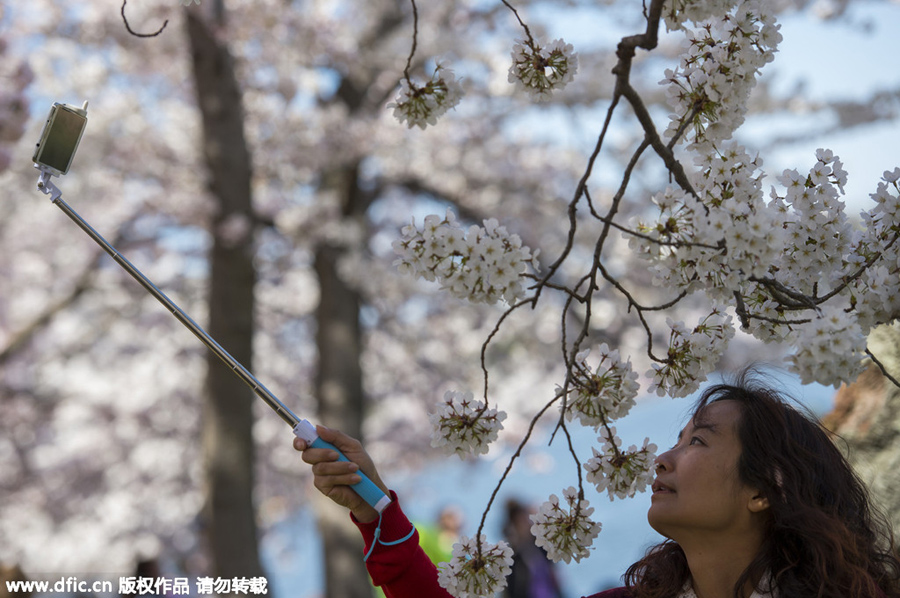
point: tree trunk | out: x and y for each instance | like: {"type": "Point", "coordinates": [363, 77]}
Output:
{"type": "Point", "coordinates": [867, 415]}
{"type": "Point", "coordinates": [340, 393]}
{"type": "Point", "coordinates": [229, 515]}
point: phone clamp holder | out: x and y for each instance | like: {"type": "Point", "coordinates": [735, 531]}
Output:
{"type": "Point", "coordinates": [45, 184]}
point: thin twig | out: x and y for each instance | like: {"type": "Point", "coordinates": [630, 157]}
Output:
{"type": "Point", "coordinates": [530, 40]}
{"type": "Point", "coordinates": [412, 51]}
{"type": "Point", "coordinates": [136, 34]}
{"type": "Point", "coordinates": [882, 368]}
{"type": "Point", "coordinates": [512, 460]}
{"type": "Point", "coordinates": [577, 468]}
{"type": "Point", "coordinates": [579, 191]}
{"type": "Point", "coordinates": [484, 346]}
{"type": "Point", "coordinates": [780, 322]}
{"type": "Point", "coordinates": [660, 242]}
{"type": "Point", "coordinates": [871, 261]}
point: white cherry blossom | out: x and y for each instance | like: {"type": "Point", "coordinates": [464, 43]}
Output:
{"type": "Point", "coordinates": [604, 394]}
{"type": "Point", "coordinates": [567, 531]}
{"type": "Point", "coordinates": [474, 573]}
{"type": "Point", "coordinates": [464, 426]}
{"type": "Point", "coordinates": [692, 354]}
{"type": "Point", "coordinates": [483, 264]}
{"type": "Point", "coordinates": [421, 106]}
{"type": "Point", "coordinates": [541, 70]}
{"type": "Point", "coordinates": [829, 349]}
{"type": "Point", "coordinates": [709, 89]}
{"type": "Point", "coordinates": [621, 473]}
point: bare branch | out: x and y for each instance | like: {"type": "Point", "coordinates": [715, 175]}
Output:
{"type": "Point", "coordinates": [136, 34]}
{"type": "Point", "coordinates": [412, 50]}
{"type": "Point", "coordinates": [509, 467]}
{"type": "Point", "coordinates": [530, 40]}
{"type": "Point", "coordinates": [882, 368]}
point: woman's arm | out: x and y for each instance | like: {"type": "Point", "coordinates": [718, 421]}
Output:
{"type": "Point", "coordinates": [393, 556]}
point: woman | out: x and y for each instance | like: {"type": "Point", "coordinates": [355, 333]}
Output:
{"type": "Point", "coordinates": [754, 499]}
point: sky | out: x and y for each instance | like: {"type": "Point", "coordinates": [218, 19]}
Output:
{"type": "Point", "coordinates": [845, 59]}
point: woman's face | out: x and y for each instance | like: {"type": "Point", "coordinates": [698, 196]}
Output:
{"type": "Point", "coordinates": [697, 491]}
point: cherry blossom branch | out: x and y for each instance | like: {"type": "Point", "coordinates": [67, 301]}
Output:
{"type": "Point", "coordinates": [625, 53]}
{"type": "Point", "coordinates": [509, 466]}
{"type": "Point", "coordinates": [530, 40]}
{"type": "Point", "coordinates": [136, 34]}
{"type": "Point", "coordinates": [787, 297]}
{"type": "Point", "coordinates": [412, 50]}
{"type": "Point", "coordinates": [882, 368]}
{"type": "Point", "coordinates": [490, 337]}
{"type": "Point", "coordinates": [661, 149]}
{"type": "Point", "coordinates": [715, 233]}
{"type": "Point", "coordinates": [578, 473]}
{"type": "Point", "coordinates": [856, 275]}
{"type": "Point", "coordinates": [795, 300]}
{"type": "Point", "coordinates": [572, 210]}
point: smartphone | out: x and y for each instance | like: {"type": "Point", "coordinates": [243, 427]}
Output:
{"type": "Point", "coordinates": [60, 137]}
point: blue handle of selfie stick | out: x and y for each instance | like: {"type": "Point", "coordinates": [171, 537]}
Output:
{"type": "Point", "coordinates": [367, 489]}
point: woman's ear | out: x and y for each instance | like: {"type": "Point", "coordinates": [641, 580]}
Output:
{"type": "Point", "coordinates": [758, 503]}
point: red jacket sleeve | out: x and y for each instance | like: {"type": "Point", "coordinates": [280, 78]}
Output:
{"type": "Point", "coordinates": [402, 570]}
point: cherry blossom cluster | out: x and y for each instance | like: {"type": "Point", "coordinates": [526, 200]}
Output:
{"type": "Point", "coordinates": [13, 104]}
{"type": "Point", "coordinates": [878, 299]}
{"type": "Point", "coordinates": [476, 569]}
{"type": "Point", "coordinates": [604, 394]}
{"type": "Point", "coordinates": [825, 256]}
{"type": "Point", "coordinates": [423, 105]}
{"type": "Point", "coordinates": [727, 241]}
{"type": "Point", "coordinates": [621, 473]}
{"type": "Point", "coordinates": [819, 236]}
{"type": "Point", "coordinates": [565, 532]}
{"type": "Point", "coordinates": [714, 239]}
{"type": "Point", "coordinates": [539, 71]}
{"type": "Point", "coordinates": [678, 12]}
{"type": "Point", "coordinates": [483, 264]}
{"type": "Point", "coordinates": [464, 426]}
{"type": "Point", "coordinates": [829, 349]}
{"type": "Point", "coordinates": [535, 69]}
{"type": "Point", "coordinates": [709, 89]}
{"type": "Point", "coordinates": [692, 354]}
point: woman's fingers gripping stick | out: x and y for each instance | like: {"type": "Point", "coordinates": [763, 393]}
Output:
{"type": "Point", "coordinates": [318, 439]}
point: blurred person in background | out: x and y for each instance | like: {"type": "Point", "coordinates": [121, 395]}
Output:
{"type": "Point", "coordinates": [437, 540]}
{"type": "Point", "coordinates": [532, 574]}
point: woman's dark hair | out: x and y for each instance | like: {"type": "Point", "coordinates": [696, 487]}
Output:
{"type": "Point", "coordinates": [824, 538]}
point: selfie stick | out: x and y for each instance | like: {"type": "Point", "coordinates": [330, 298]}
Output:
{"type": "Point", "coordinates": [302, 428]}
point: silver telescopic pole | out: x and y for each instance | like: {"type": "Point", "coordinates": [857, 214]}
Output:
{"type": "Point", "coordinates": [367, 489]}
{"type": "Point", "coordinates": [242, 372]}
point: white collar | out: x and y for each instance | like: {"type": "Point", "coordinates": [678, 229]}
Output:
{"type": "Point", "coordinates": [688, 592]}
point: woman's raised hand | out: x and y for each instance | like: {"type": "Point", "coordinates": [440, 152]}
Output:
{"type": "Point", "coordinates": [333, 478]}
